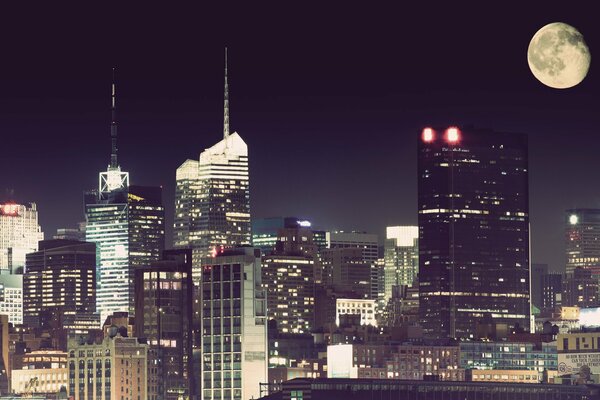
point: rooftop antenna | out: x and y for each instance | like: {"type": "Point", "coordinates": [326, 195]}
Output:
{"type": "Point", "coordinates": [226, 103]}
{"type": "Point", "coordinates": [113, 125]}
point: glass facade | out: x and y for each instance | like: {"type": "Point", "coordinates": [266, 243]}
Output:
{"type": "Point", "coordinates": [164, 317]}
{"type": "Point", "coordinates": [582, 239]}
{"type": "Point", "coordinates": [127, 226]}
{"type": "Point", "coordinates": [401, 257]}
{"type": "Point", "coordinates": [473, 230]}
{"type": "Point", "coordinates": [60, 276]}
{"type": "Point", "coordinates": [509, 356]}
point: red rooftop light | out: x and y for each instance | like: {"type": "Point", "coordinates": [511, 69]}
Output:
{"type": "Point", "coordinates": [9, 209]}
{"type": "Point", "coordinates": [428, 135]}
{"type": "Point", "coordinates": [452, 135]}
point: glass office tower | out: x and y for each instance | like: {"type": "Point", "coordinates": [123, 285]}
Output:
{"type": "Point", "coordinates": [473, 230]}
{"type": "Point", "coordinates": [127, 224]}
{"type": "Point", "coordinates": [128, 229]}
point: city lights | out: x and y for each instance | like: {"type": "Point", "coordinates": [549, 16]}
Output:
{"type": "Point", "coordinates": [428, 135]}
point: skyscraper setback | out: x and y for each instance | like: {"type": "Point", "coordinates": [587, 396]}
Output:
{"type": "Point", "coordinates": [127, 225]}
{"type": "Point", "coordinates": [473, 230]}
{"type": "Point", "coordinates": [212, 197]}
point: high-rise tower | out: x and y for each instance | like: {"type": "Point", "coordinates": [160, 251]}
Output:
{"type": "Point", "coordinates": [401, 254]}
{"type": "Point", "coordinates": [127, 224]}
{"type": "Point", "coordinates": [473, 230]}
{"type": "Point", "coordinates": [582, 239]}
{"type": "Point", "coordinates": [212, 197]}
{"type": "Point", "coordinates": [20, 233]}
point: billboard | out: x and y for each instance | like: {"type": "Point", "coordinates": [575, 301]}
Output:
{"type": "Point", "coordinates": [589, 317]}
{"type": "Point", "coordinates": [569, 363]}
{"type": "Point", "coordinates": [340, 361]}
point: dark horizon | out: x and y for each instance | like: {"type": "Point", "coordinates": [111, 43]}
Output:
{"type": "Point", "coordinates": [330, 102]}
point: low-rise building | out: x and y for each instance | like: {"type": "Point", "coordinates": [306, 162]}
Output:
{"type": "Point", "coordinates": [579, 349]}
{"type": "Point", "coordinates": [417, 362]}
{"type": "Point", "coordinates": [407, 361]}
{"type": "Point", "coordinates": [114, 369]}
{"type": "Point", "coordinates": [368, 389]}
{"type": "Point", "coordinates": [533, 359]}
{"type": "Point", "coordinates": [363, 307]}
{"type": "Point", "coordinates": [43, 371]}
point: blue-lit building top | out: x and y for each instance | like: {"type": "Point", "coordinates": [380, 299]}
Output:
{"type": "Point", "coordinates": [265, 231]}
{"type": "Point", "coordinates": [509, 356]}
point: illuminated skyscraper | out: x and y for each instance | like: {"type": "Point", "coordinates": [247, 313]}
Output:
{"type": "Point", "coordinates": [60, 276]}
{"type": "Point", "coordinates": [473, 230]}
{"type": "Point", "coordinates": [20, 233]}
{"type": "Point", "coordinates": [234, 330]}
{"type": "Point", "coordinates": [127, 225]}
{"type": "Point", "coordinates": [212, 197]}
{"type": "Point", "coordinates": [288, 275]}
{"type": "Point", "coordinates": [582, 239]}
{"type": "Point", "coordinates": [401, 255]}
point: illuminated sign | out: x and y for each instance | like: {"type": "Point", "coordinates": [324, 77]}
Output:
{"type": "Point", "coordinates": [306, 224]}
{"type": "Point", "coordinates": [589, 317]}
{"type": "Point", "coordinates": [9, 209]}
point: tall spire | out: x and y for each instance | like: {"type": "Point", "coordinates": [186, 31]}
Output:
{"type": "Point", "coordinates": [226, 103]}
{"type": "Point", "coordinates": [113, 126]}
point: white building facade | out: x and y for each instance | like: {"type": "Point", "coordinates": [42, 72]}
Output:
{"type": "Point", "coordinates": [20, 233]}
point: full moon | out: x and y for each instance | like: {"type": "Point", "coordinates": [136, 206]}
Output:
{"type": "Point", "coordinates": [558, 56]}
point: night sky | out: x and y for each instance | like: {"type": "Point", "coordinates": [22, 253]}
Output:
{"type": "Point", "coordinates": [329, 100]}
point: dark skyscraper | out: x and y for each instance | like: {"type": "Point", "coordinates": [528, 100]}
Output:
{"type": "Point", "coordinates": [60, 276]}
{"type": "Point", "coordinates": [538, 271]}
{"type": "Point", "coordinates": [552, 291]}
{"type": "Point", "coordinates": [580, 289]}
{"type": "Point", "coordinates": [473, 230]}
{"type": "Point", "coordinates": [164, 303]}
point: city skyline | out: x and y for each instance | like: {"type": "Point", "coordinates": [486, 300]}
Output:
{"type": "Point", "coordinates": [301, 202]}
{"type": "Point", "coordinates": [378, 80]}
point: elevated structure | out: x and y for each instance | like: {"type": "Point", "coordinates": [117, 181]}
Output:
{"type": "Point", "coordinates": [127, 224]}
{"type": "Point", "coordinates": [113, 178]}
